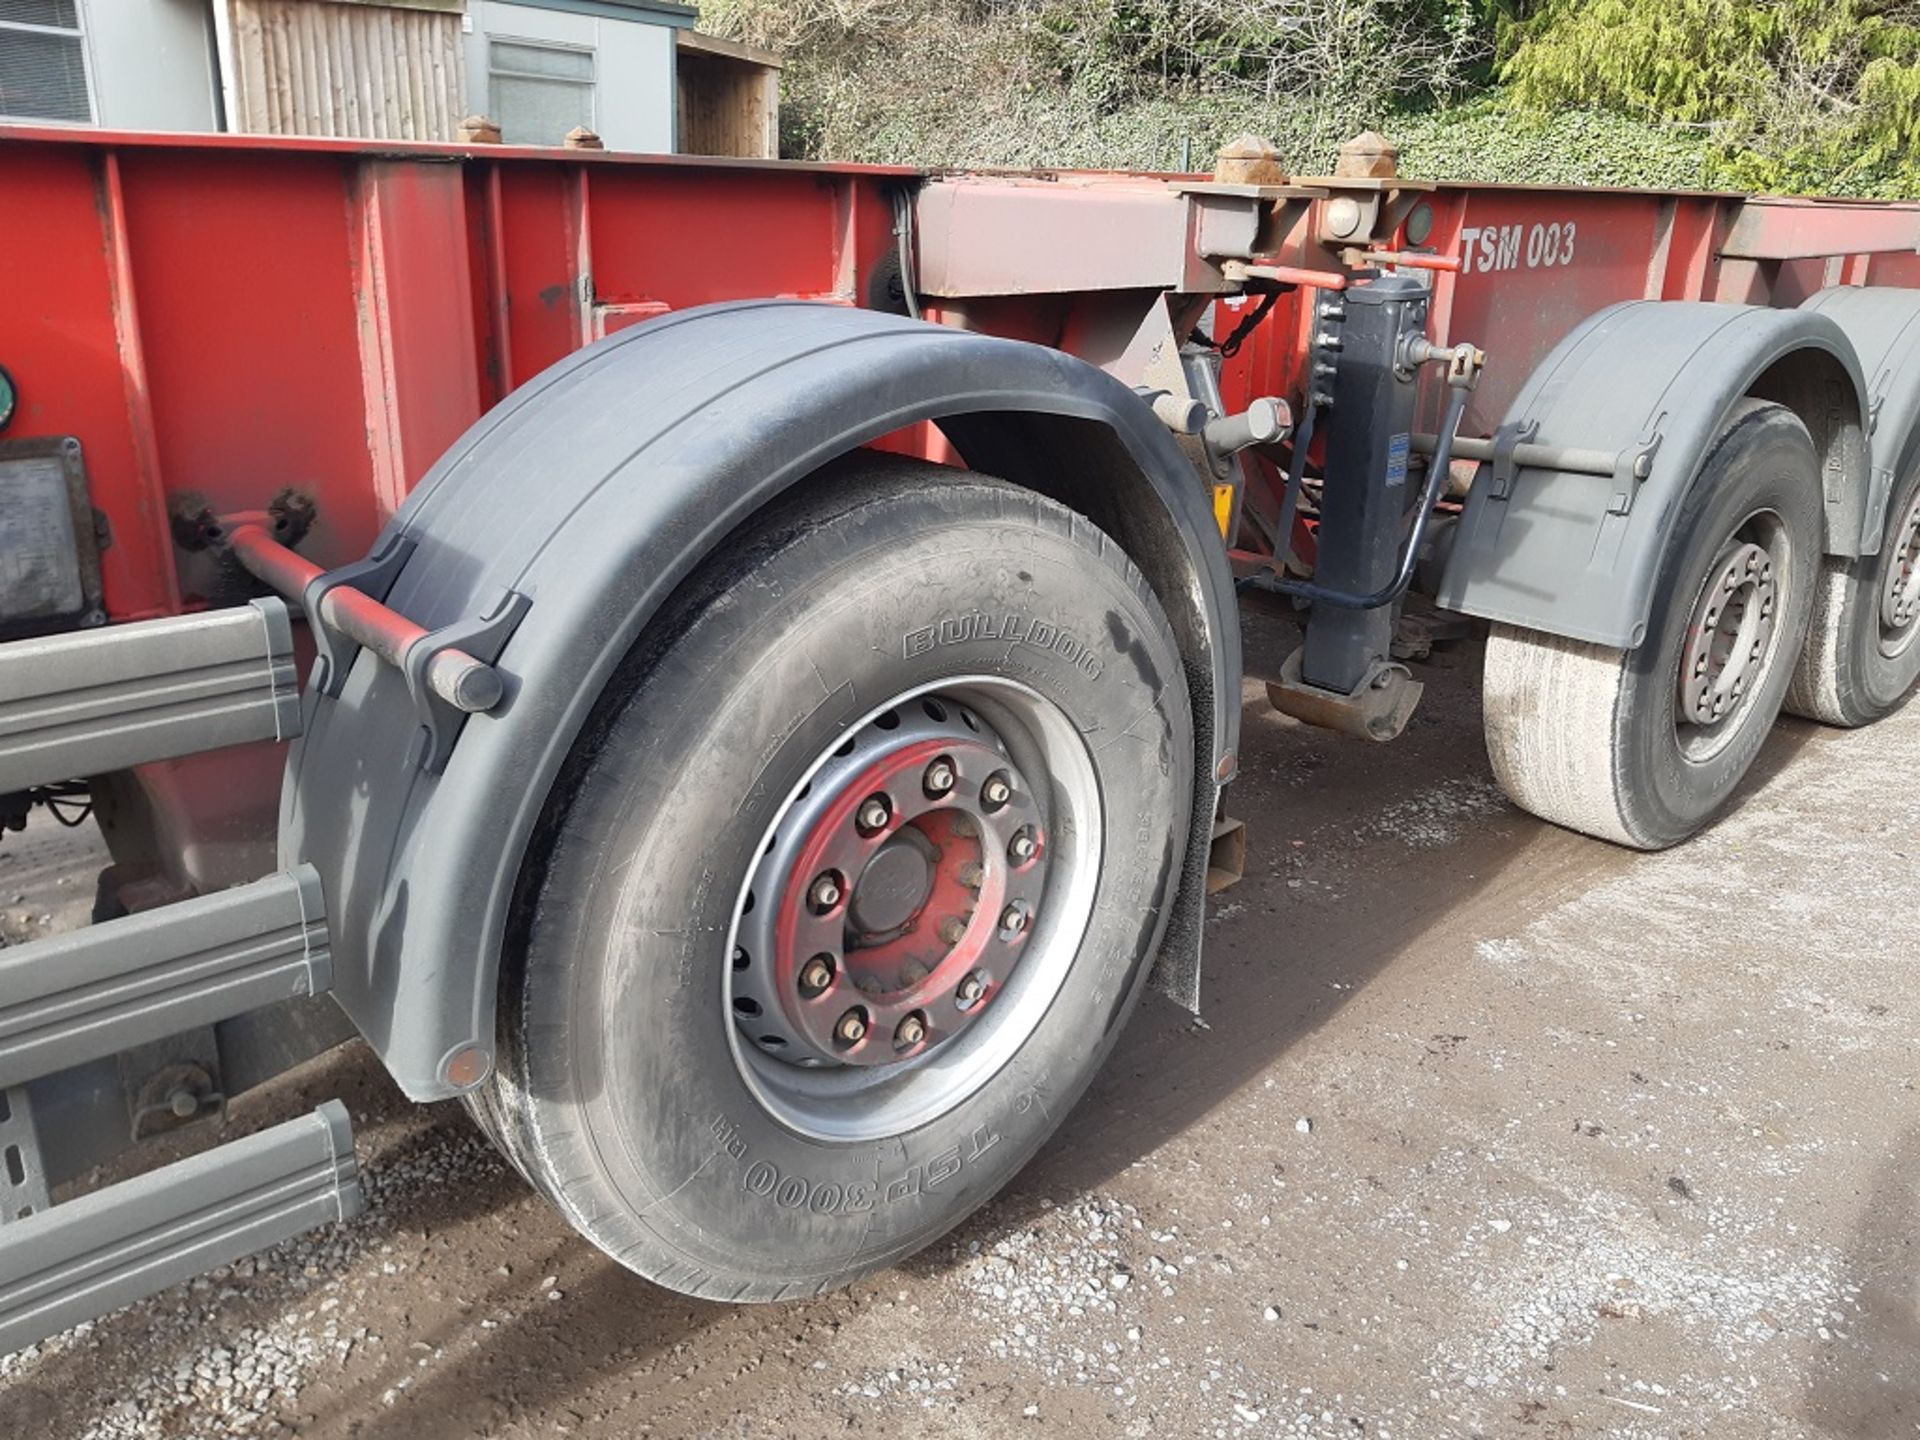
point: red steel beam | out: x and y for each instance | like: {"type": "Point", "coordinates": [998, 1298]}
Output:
{"type": "Point", "coordinates": [1812, 230]}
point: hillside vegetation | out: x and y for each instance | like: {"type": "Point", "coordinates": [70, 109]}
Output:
{"type": "Point", "coordinates": [1813, 96]}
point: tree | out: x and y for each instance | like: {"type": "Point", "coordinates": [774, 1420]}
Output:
{"type": "Point", "coordinates": [1795, 94]}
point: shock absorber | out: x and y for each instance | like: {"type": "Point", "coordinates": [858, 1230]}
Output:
{"type": "Point", "coordinates": [1369, 430]}
{"type": "Point", "coordinates": [1367, 361]}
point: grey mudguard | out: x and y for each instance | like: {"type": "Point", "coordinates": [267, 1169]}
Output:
{"type": "Point", "coordinates": [1884, 327]}
{"type": "Point", "coordinates": [1577, 554]}
{"type": "Point", "coordinates": [592, 491]}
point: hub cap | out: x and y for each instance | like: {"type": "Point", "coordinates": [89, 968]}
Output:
{"type": "Point", "coordinates": [915, 907]}
{"type": "Point", "coordinates": [1900, 593]}
{"type": "Point", "coordinates": [1731, 636]}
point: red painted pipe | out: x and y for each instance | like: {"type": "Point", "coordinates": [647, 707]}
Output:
{"type": "Point", "coordinates": [1413, 260]}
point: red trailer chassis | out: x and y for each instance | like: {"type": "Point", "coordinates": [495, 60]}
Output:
{"type": "Point", "coordinates": [222, 317]}
{"type": "Point", "coordinates": [254, 350]}
{"type": "Point", "coordinates": [223, 314]}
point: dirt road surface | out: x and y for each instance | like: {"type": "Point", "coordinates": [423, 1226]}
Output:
{"type": "Point", "coordinates": [1489, 1130]}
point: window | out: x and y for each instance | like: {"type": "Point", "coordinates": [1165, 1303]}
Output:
{"type": "Point", "coordinates": [540, 91]}
{"type": "Point", "coordinates": [43, 62]}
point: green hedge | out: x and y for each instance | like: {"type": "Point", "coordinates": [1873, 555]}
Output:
{"type": "Point", "coordinates": [1807, 96]}
{"type": "Point", "coordinates": [1483, 140]}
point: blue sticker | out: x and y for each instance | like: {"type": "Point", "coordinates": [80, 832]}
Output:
{"type": "Point", "coordinates": [1398, 448]}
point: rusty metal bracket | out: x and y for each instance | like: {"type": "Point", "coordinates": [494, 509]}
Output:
{"type": "Point", "coordinates": [1378, 709]}
{"type": "Point", "coordinates": [1226, 853]}
{"type": "Point", "coordinates": [483, 640]}
{"type": "Point", "coordinates": [372, 577]}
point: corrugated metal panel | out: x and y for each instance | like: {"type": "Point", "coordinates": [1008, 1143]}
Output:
{"type": "Point", "coordinates": [343, 67]}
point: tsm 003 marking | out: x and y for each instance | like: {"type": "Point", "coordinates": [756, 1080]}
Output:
{"type": "Point", "coordinates": [1512, 247]}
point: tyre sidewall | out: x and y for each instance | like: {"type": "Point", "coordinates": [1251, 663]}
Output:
{"type": "Point", "coordinates": [679, 1167]}
{"type": "Point", "coordinates": [1765, 460]}
{"type": "Point", "coordinates": [1876, 682]}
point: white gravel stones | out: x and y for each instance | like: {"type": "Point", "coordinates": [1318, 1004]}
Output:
{"type": "Point", "coordinates": [1435, 816]}
{"type": "Point", "coordinates": [1590, 1263]}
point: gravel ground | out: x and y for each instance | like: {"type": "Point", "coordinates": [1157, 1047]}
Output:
{"type": "Point", "coordinates": [1489, 1130]}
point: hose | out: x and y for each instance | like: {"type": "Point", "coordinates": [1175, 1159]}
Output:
{"type": "Point", "coordinates": [1296, 478]}
{"type": "Point", "coordinates": [903, 242]}
{"type": "Point", "coordinates": [1437, 470]}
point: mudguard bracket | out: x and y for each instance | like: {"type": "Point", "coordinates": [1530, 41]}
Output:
{"type": "Point", "coordinates": [372, 577]}
{"type": "Point", "coordinates": [483, 639]}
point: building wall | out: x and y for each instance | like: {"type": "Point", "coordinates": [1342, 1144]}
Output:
{"type": "Point", "coordinates": [633, 70]}
{"type": "Point", "coordinates": [148, 65]}
{"type": "Point", "coordinates": [153, 64]}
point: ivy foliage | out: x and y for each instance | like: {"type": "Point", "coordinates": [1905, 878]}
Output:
{"type": "Point", "coordinates": [1808, 96]}
{"type": "Point", "coordinates": [1794, 95]}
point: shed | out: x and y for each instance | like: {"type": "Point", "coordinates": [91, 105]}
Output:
{"type": "Point", "coordinates": [729, 97]}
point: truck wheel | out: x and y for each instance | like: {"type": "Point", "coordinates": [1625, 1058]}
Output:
{"type": "Point", "coordinates": [1861, 659]}
{"type": "Point", "coordinates": [849, 886]}
{"type": "Point", "coordinates": [1642, 747]}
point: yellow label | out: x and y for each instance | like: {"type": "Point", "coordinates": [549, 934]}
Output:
{"type": "Point", "coordinates": [1223, 509]}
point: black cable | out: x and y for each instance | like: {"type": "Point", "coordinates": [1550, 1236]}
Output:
{"type": "Point", "coordinates": [1249, 322]}
{"type": "Point", "coordinates": [66, 793]}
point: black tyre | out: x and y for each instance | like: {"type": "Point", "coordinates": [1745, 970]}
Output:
{"type": "Point", "coordinates": [1643, 747]}
{"type": "Point", "coordinates": [850, 886]}
{"type": "Point", "coordinates": [1861, 658]}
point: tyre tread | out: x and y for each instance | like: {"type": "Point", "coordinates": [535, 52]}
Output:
{"type": "Point", "coordinates": [1550, 704]}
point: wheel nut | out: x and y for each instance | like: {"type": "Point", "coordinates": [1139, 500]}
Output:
{"type": "Point", "coordinates": [852, 1028]}
{"type": "Point", "coordinates": [824, 893]}
{"type": "Point", "coordinates": [873, 814]}
{"type": "Point", "coordinates": [970, 988]}
{"type": "Point", "coordinates": [952, 929]}
{"type": "Point", "coordinates": [1013, 918]}
{"type": "Point", "coordinates": [816, 975]}
{"type": "Point", "coordinates": [997, 791]}
{"type": "Point", "coordinates": [972, 874]}
{"type": "Point", "coordinates": [910, 1032]}
{"type": "Point", "coordinates": [939, 777]}
{"type": "Point", "coordinates": [1022, 846]}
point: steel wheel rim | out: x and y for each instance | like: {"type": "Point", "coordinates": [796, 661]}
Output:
{"type": "Point", "coordinates": [1731, 636]}
{"type": "Point", "coordinates": [879, 1087]}
{"type": "Point", "coordinates": [1900, 591]}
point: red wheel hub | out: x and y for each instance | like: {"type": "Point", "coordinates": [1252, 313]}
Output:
{"type": "Point", "coordinates": [908, 900]}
